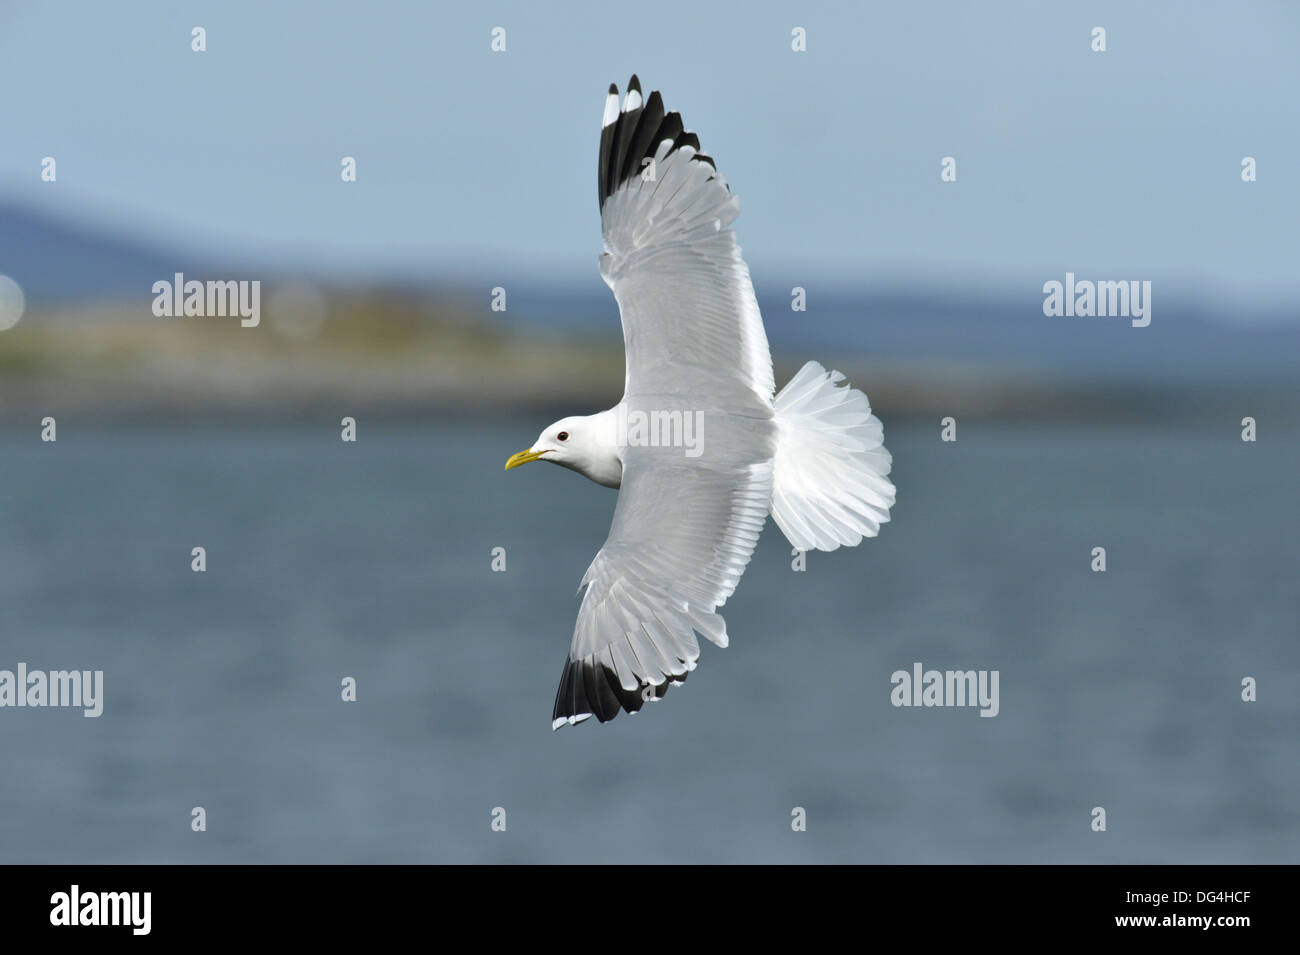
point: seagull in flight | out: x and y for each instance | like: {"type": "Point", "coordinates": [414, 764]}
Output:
{"type": "Point", "coordinates": [702, 447]}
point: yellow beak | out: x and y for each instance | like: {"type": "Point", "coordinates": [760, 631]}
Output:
{"type": "Point", "coordinates": [523, 457]}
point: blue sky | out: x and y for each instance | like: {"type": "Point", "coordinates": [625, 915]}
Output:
{"type": "Point", "coordinates": [1124, 164]}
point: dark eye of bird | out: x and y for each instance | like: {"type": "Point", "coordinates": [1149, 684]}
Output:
{"type": "Point", "coordinates": [563, 436]}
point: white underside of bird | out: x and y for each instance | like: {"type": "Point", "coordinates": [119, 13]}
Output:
{"type": "Point", "coordinates": [701, 447]}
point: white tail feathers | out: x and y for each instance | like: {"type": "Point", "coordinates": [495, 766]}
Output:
{"type": "Point", "coordinates": [829, 483]}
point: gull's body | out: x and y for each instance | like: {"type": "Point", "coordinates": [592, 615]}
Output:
{"type": "Point", "coordinates": [687, 521]}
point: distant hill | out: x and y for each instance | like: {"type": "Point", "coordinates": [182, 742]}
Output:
{"type": "Point", "coordinates": [56, 262]}
{"type": "Point", "coordinates": [59, 263]}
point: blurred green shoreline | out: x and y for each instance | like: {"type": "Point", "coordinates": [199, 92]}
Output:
{"type": "Point", "coordinates": [399, 357]}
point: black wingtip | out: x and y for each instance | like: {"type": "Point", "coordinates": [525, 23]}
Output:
{"type": "Point", "coordinates": [590, 688]}
{"type": "Point", "coordinates": [635, 136]}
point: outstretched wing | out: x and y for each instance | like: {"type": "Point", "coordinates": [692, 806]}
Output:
{"type": "Point", "coordinates": [691, 324]}
{"type": "Point", "coordinates": [685, 526]}
{"type": "Point", "coordinates": [681, 538]}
